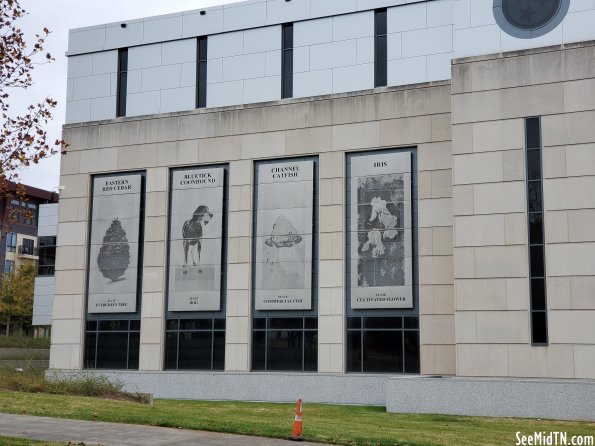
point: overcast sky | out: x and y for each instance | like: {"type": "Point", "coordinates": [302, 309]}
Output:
{"type": "Point", "coordinates": [50, 79]}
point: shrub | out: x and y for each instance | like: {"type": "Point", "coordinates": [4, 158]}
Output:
{"type": "Point", "coordinates": [84, 384]}
{"type": "Point", "coordinates": [81, 384]}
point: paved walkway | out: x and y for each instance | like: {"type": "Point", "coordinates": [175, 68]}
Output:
{"type": "Point", "coordinates": [114, 434]}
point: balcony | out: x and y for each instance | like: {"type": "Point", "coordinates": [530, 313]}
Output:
{"type": "Point", "coordinates": [28, 251]}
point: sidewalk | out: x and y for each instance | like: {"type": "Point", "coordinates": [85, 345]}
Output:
{"type": "Point", "coordinates": [114, 434]}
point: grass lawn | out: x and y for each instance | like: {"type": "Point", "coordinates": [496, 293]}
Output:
{"type": "Point", "coordinates": [346, 425]}
{"type": "Point", "coordinates": [10, 441]}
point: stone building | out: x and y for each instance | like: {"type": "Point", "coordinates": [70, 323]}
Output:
{"type": "Point", "coordinates": [337, 200]}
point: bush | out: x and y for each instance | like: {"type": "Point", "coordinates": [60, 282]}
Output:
{"type": "Point", "coordinates": [84, 384]}
{"type": "Point", "coordinates": [30, 380]}
{"type": "Point", "coordinates": [80, 384]}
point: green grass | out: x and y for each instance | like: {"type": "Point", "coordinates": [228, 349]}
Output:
{"type": "Point", "coordinates": [346, 425]}
{"type": "Point", "coordinates": [10, 441]}
{"type": "Point", "coordinates": [20, 341]}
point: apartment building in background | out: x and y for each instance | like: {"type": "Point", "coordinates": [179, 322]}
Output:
{"type": "Point", "coordinates": [21, 219]}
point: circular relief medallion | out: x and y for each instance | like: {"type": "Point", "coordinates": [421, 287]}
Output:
{"type": "Point", "coordinates": [527, 19]}
{"type": "Point", "coordinates": [530, 14]}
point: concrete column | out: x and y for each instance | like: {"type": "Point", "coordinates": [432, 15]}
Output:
{"type": "Point", "coordinates": [331, 299]}
{"type": "Point", "coordinates": [239, 268]}
{"type": "Point", "coordinates": [153, 297]}
{"type": "Point", "coordinates": [68, 306]}
{"type": "Point", "coordinates": [436, 290]}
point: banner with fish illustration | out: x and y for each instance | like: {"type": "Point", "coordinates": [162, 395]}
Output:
{"type": "Point", "coordinates": [113, 251]}
{"type": "Point", "coordinates": [380, 246]}
{"type": "Point", "coordinates": [195, 239]}
{"type": "Point", "coordinates": [283, 236]}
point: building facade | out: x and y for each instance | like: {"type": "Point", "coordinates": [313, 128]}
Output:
{"type": "Point", "coordinates": [43, 298]}
{"type": "Point", "coordinates": [335, 200]}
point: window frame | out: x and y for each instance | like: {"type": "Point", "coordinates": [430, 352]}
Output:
{"type": "Point", "coordinates": [43, 268]}
{"type": "Point", "coordinates": [9, 266]}
{"type": "Point", "coordinates": [215, 329]}
{"type": "Point", "coordinates": [11, 242]}
{"type": "Point", "coordinates": [295, 327]}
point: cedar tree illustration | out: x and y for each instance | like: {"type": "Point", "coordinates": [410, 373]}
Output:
{"type": "Point", "coordinates": [114, 254]}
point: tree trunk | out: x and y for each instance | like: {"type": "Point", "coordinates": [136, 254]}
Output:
{"type": "Point", "coordinates": [8, 325]}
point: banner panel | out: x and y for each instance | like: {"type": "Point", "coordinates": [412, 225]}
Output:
{"type": "Point", "coordinates": [113, 254]}
{"type": "Point", "coordinates": [196, 231]}
{"type": "Point", "coordinates": [380, 243]}
{"type": "Point", "coordinates": [283, 236]}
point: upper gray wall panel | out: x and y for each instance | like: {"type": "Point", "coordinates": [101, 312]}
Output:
{"type": "Point", "coordinates": [219, 19]}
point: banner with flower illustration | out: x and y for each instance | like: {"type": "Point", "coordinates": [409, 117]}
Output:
{"type": "Point", "coordinates": [380, 239]}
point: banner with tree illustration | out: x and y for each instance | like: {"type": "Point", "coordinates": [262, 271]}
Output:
{"type": "Point", "coordinates": [113, 254]}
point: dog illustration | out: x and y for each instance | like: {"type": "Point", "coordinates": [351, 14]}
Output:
{"type": "Point", "coordinates": [192, 235]}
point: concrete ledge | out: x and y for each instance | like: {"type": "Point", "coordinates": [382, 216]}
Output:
{"type": "Point", "coordinates": [268, 387]}
{"type": "Point", "coordinates": [25, 353]}
{"type": "Point", "coordinates": [491, 397]}
{"type": "Point", "coordinates": [25, 363]}
{"type": "Point", "coordinates": [525, 398]}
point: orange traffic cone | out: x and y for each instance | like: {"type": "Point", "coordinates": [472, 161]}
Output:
{"type": "Point", "coordinates": [296, 435]}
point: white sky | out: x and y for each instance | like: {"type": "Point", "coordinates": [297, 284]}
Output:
{"type": "Point", "coordinates": [50, 80]}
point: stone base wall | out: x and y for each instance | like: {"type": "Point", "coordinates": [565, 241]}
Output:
{"type": "Point", "coordinates": [522, 398]}
{"type": "Point", "coordinates": [549, 399]}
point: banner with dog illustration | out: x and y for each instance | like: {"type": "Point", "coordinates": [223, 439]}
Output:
{"type": "Point", "coordinates": [195, 239]}
{"type": "Point", "coordinates": [380, 239]}
{"type": "Point", "coordinates": [113, 251]}
{"type": "Point", "coordinates": [283, 236]}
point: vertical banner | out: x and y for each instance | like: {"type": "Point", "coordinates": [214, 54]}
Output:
{"type": "Point", "coordinates": [195, 231]}
{"type": "Point", "coordinates": [283, 237]}
{"type": "Point", "coordinates": [113, 255]}
{"type": "Point", "coordinates": [381, 234]}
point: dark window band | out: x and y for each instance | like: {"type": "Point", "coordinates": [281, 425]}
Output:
{"type": "Point", "coordinates": [380, 48]}
{"type": "Point", "coordinates": [201, 72]}
{"type": "Point", "coordinates": [122, 82]}
{"type": "Point", "coordinates": [287, 61]}
{"type": "Point", "coordinates": [537, 274]}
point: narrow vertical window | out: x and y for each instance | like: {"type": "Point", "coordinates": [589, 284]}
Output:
{"type": "Point", "coordinates": [287, 61]}
{"type": "Point", "coordinates": [201, 72]}
{"type": "Point", "coordinates": [537, 274]}
{"type": "Point", "coordinates": [122, 82]}
{"type": "Point", "coordinates": [380, 49]}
